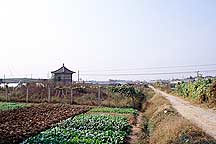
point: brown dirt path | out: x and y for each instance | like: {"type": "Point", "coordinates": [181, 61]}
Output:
{"type": "Point", "coordinates": [203, 118]}
{"type": "Point", "coordinates": [136, 129]}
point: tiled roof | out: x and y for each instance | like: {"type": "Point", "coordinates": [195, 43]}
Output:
{"type": "Point", "coordinates": [63, 69]}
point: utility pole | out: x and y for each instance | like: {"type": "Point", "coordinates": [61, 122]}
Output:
{"type": "Point", "coordinates": [71, 96]}
{"type": "Point", "coordinates": [6, 92]}
{"type": "Point", "coordinates": [6, 89]}
{"type": "Point", "coordinates": [78, 76]}
{"type": "Point", "coordinates": [99, 92]}
{"type": "Point", "coordinates": [49, 98]}
{"type": "Point", "coordinates": [4, 80]}
{"type": "Point", "coordinates": [71, 78]}
{"type": "Point", "coordinates": [27, 93]}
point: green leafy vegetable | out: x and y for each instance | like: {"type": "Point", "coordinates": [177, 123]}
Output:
{"type": "Point", "coordinates": [87, 129]}
{"type": "Point", "coordinates": [9, 106]}
{"type": "Point", "coordinates": [115, 110]}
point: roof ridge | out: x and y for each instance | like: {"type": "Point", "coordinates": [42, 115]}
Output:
{"type": "Point", "coordinates": [63, 69]}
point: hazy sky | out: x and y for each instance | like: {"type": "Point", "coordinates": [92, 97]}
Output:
{"type": "Point", "coordinates": [38, 36]}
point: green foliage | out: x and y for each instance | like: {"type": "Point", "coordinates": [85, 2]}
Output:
{"type": "Point", "coordinates": [201, 90]}
{"type": "Point", "coordinates": [86, 129]}
{"type": "Point", "coordinates": [164, 86]}
{"type": "Point", "coordinates": [59, 135]}
{"type": "Point", "coordinates": [125, 90]}
{"type": "Point", "coordinates": [129, 91]}
{"type": "Point", "coordinates": [212, 93]}
{"type": "Point", "coordinates": [98, 122]}
{"type": "Point", "coordinates": [10, 106]}
{"type": "Point", "coordinates": [115, 110]}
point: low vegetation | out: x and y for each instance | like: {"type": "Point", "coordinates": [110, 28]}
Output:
{"type": "Point", "coordinates": [115, 110]}
{"type": "Point", "coordinates": [166, 87]}
{"type": "Point", "coordinates": [19, 124]}
{"type": "Point", "coordinates": [11, 106]}
{"type": "Point", "coordinates": [88, 128]}
{"type": "Point", "coordinates": [125, 114]}
{"type": "Point", "coordinates": [124, 96]}
{"type": "Point", "coordinates": [59, 93]}
{"type": "Point", "coordinates": [202, 91]}
{"type": "Point", "coordinates": [130, 93]}
{"type": "Point", "coordinates": [163, 125]}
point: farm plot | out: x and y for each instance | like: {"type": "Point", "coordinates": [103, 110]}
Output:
{"type": "Point", "coordinates": [19, 124]}
{"type": "Point", "coordinates": [88, 128]}
{"type": "Point", "coordinates": [115, 110]}
{"type": "Point", "coordinates": [10, 106]}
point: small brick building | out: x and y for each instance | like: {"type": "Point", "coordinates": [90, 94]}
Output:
{"type": "Point", "coordinates": [63, 74]}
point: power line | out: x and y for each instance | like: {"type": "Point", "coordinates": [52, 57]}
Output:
{"type": "Point", "coordinates": [162, 67]}
{"type": "Point", "coordinates": [133, 74]}
{"type": "Point", "coordinates": [141, 74]}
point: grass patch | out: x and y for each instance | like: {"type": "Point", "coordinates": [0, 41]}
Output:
{"type": "Point", "coordinates": [10, 106]}
{"type": "Point", "coordinates": [165, 126]}
{"type": "Point", "coordinates": [87, 99]}
{"type": "Point", "coordinates": [117, 100]}
{"type": "Point", "coordinates": [115, 110]}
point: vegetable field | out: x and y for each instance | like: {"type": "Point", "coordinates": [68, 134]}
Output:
{"type": "Point", "coordinates": [89, 128]}
{"type": "Point", "coordinates": [115, 110]}
{"type": "Point", "coordinates": [64, 123]}
{"type": "Point", "coordinates": [10, 106]}
{"type": "Point", "coordinates": [18, 124]}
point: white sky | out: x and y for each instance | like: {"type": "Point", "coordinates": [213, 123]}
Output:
{"type": "Point", "coordinates": [36, 37]}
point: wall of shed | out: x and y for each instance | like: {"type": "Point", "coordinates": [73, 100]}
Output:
{"type": "Point", "coordinates": [63, 77]}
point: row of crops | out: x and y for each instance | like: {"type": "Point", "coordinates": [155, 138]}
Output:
{"type": "Point", "coordinates": [115, 110]}
{"type": "Point", "coordinates": [97, 126]}
{"type": "Point", "coordinates": [202, 90]}
{"type": "Point", "coordinates": [18, 124]}
{"type": "Point", "coordinates": [10, 106]}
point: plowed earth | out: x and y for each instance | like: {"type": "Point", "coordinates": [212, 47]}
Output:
{"type": "Point", "coordinates": [19, 124]}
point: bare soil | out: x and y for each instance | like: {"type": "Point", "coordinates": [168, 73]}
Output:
{"type": "Point", "coordinates": [136, 129]}
{"type": "Point", "coordinates": [19, 124]}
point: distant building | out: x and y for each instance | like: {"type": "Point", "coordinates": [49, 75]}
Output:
{"type": "Point", "coordinates": [63, 74]}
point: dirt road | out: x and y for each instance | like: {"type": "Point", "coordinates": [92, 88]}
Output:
{"type": "Point", "coordinates": [203, 118]}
